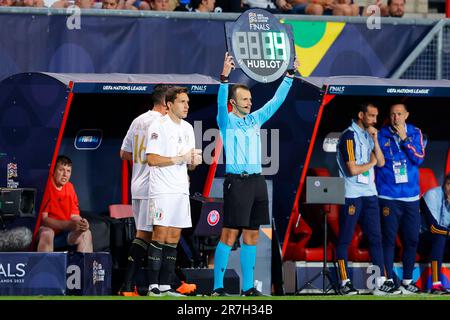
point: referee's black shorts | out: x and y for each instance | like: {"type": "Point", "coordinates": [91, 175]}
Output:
{"type": "Point", "coordinates": [245, 202]}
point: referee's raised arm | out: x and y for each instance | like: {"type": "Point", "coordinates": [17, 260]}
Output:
{"type": "Point", "coordinates": [222, 97]}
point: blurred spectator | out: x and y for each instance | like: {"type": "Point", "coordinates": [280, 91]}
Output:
{"type": "Point", "coordinates": [7, 3]}
{"type": "Point", "coordinates": [82, 4]}
{"type": "Point", "coordinates": [173, 4]}
{"type": "Point", "coordinates": [396, 8]}
{"type": "Point", "coordinates": [160, 5]}
{"type": "Point", "coordinates": [110, 4]}
{"type": "Point", "coordinates": [30, 3]}
{"type": "Point", "coordinates": [177, 5]}
{"type": "Point", "coordinates": [268, 5]}
{"type": "Point", "coordinates": [300, 7]}
{"type": "Point", "coordinates": [203, 5]}
{"type": "Point", "coordinates": [230, 5]}
{"type": "Point", "coordinates": [321, 7]}
{"type": "Point", "coordinates": [345, 8]}
{"type": "Point", "coordinates": [133, 5]}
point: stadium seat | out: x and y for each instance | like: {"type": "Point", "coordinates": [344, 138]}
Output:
{"type": "Point", "coordinates": [427, 180]}
{"type": "Point", "coordinates": [297, 249]}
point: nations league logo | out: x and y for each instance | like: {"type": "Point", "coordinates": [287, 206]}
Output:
{"type": "Point", "coordinates": [260, 45]}
{"type": "Point", "coordinates": [98, 272]}
{"type": "Point", "coordinates": [213, 218]}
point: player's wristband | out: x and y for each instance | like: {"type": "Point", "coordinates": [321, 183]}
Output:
{"type": "Point", "coordinates": [223, 78]}
{"type": "Point", "coordinates": [290, 72]}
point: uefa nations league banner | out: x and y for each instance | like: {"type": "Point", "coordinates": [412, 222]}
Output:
{"type": "Point", "coordinates": [55, 273]}
{"type": "Point", "coordinates": [33, 273]}
{"type": "Point", "coordinates": [89, 274]}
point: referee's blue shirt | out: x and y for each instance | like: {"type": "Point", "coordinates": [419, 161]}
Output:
{"type": "Point", "coordinates": [241, 136]}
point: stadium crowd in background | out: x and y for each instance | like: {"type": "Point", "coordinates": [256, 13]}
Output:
{"type": "Point", "coordinates": [391, 8]}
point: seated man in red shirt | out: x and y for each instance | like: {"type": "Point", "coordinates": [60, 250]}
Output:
{"type": "Point", "coordinates": [61, 222]}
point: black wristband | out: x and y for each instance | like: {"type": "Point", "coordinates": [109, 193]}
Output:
{"type": "Point", "coordinates": [223, 78]}
{"type": "Point", "coordinates": [290, 72]}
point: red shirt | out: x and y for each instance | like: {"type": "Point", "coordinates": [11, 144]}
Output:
{"type": "Point", "coordinates": [61, 204]}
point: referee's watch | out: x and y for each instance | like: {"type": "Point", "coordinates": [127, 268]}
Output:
{"type": "Point", "coordinates": [224, 78]}
{"type": "Point", "coordinates": [290, 72]}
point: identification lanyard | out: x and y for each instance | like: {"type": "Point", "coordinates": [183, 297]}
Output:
{"type": "Point", "coordinates": [400, 171]}
{"type": "Point", "coordinates": [399, 166]}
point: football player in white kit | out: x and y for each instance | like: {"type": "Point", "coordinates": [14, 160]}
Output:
{"type": "Point", "coordinates": [133, 149]}
{"type": "Point", "coordinates": [170, 152]}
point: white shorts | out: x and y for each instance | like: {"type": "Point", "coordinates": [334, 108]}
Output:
{"type": "Point", "coordinates": [141, 214]}
{"type": "Point", "coordinates": [171, 210]}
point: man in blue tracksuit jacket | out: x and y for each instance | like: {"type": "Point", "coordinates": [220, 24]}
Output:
{"type": "Point", "coordinates": [399, 191]}
{"type": "Point", "coordinates": [245, 192]}
{"type": "Point", "coordinates": [435, 207]}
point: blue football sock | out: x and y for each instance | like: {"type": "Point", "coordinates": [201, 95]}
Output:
{"type": "Point", "coordinates": [220, 264]}
{"type": "Point", "coordinates": [248, 259]}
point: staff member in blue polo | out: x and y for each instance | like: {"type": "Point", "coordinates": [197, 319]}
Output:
{"type": "Point", "coordinates": [245, 190]}
{"type": "Point", "coordinates": [358, 153]}
{"type": "Point", "coordinates": [399, 191]}
{"type": "Point", "coordinates": [435, 206]}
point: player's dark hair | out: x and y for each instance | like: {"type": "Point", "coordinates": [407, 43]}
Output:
{"type": "Point", "coordinates": [159, 93]}
{"type": "Point", "coordinates": [195, 4]}
{"type": "Point", "coordinates": [390, 2]}
{"type": "Point", "coordinates": [447, 177]}
{"type": "Point", "coordinates": [63, 160]}
{"type": "Point", "coordinates": [172, 93]}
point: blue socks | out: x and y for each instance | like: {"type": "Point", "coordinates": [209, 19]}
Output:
{"type": "Point", "coordinates": [248, 259]}
{"type": "Point", "coordinates": [220, 264]}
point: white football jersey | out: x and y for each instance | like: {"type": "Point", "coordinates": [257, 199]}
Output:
{"type": "Point", "coordinates": [169, 139]}
{"type": "Point", "coordinates": [136, 142]}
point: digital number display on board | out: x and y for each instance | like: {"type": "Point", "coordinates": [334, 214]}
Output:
{"type": "Point", "coordinates": [260, 45]}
